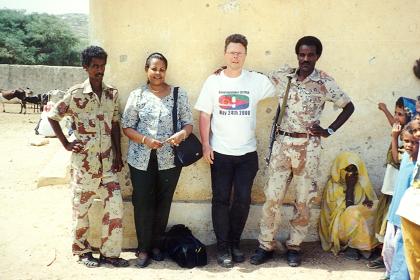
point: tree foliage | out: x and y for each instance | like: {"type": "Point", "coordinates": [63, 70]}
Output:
{"type": "Point", "coordinates": [36, 39]}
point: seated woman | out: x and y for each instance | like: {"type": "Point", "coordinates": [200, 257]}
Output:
{"type": "Point", "coordinates": [147, 122]}
{"type": "Point", "coordinates": [348, 209]}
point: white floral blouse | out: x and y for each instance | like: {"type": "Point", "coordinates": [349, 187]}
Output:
{"type": "Point", "coordinates": [152, 116]}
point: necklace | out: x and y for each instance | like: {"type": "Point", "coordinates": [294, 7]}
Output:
{"type": "Point", "coordinates": [156, 91]}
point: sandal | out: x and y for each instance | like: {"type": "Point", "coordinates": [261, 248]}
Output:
{"type": "Point", "coordinates": [376, 263]}
{"type": "Point", "coordinates": [88, 260]}
{"type": "Point", "coordinates": [114, 261]}
{"type": "Point", "coordinates": [143, 259]}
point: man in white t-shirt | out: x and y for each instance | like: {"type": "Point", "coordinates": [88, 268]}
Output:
{"type": "Point", "coordinates": [228, 104]}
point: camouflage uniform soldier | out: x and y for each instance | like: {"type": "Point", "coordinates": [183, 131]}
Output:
{"type": "Point", "coordinates": [96, 157]}
{"type": "Point", "coordinates": [296, 151]}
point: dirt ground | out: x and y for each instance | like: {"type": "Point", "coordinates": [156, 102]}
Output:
{"type": "Point", "coordinates": [35, 228]}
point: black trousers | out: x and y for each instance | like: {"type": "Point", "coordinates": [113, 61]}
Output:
{"type": "Point", "coordinates": [153, 191]}
{"type": "Point", "coordinates": [229, 213]}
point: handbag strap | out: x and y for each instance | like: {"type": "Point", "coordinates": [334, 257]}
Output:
{"type": "Point", "coordinates": [175, 110]}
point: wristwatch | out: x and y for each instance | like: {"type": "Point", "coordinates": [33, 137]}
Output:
{"type": "Point", "coordinates": [330, 131]}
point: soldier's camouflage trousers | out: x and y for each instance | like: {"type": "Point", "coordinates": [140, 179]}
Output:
{"type": "Point", "coordinates": [85, 190]}
{"type": "Point", "coordinates": [297, 157]}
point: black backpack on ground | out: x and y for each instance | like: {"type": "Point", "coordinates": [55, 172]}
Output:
{"type": "Point", "coordinates": [182, 247]}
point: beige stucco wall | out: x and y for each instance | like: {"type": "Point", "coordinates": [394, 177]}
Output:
{"type": "Point", "coordinates": [369, 48]}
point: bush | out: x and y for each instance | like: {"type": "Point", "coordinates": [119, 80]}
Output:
{"type": "Point", "coordinates": [36, 39]}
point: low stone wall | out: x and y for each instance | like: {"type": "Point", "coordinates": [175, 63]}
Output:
{"type": "Point", "coordinates": [40, 78]}
{"type": "Point", "coordinates": [197, 216]}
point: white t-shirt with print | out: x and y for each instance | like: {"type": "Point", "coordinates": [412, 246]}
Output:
{"type": "Point", "coordinates": [232, 102]}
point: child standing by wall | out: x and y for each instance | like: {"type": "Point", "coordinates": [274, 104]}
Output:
{"type": "Point", "coordinates": [405, 109]}
{"type": "Point", "coordinates": [409, 210]}
{"type": "Point", "coordinates": [393, 252]}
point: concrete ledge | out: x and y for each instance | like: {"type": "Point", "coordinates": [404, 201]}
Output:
{"type": "Point", "coordinates": [197, 216]}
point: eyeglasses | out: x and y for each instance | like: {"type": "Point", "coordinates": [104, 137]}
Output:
{"type": "Point", "coordinates": [239, 54]}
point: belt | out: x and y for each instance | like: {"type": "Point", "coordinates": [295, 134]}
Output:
{"type": "Point", "coordinates": [293, 134]}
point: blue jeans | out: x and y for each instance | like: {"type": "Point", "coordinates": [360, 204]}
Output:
{"type": "Point", "coordinates": [229, 213]}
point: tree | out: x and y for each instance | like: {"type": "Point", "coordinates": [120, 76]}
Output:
{"type": "Point", "coordinates": [36, 39]}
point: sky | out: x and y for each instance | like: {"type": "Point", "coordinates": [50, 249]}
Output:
{"type": "Point", "coordinates": [47, 6]}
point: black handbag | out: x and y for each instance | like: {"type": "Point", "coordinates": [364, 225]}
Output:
{"type": "Point", "coordinates": [184, 248]}
{"type": "Point", "coordinates": [189, 150]}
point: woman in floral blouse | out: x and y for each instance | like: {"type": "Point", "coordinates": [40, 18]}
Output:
{"type": "Point", "coordinates": [147, 122]}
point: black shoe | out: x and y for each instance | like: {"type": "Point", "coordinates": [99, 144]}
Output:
{"type": "Point", "coordinates": [293, 258]}
{"type": "Point", "coordinates": [157, 255]}
{"type": "Point", "coordinates": [224, 257]}
{"type": "Point", "coordinates": [261, 256]}
{"type": "Point", "coordinates": [143, 259]}
{"type": "Point", "coordinates": [237, 255]}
